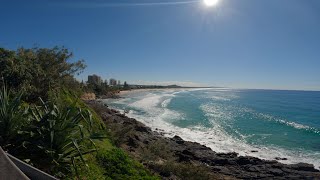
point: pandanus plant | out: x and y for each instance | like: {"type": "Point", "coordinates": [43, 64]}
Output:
{"type": "Point", "coordinates": [59, 137]}
{"type": "Point", "coordinates": [11, 117]}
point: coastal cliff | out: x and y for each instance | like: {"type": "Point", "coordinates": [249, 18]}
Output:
{"type": "Point", "coordinates": [174, 158]}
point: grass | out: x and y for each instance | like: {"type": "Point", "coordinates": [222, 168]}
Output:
{"type": "Point", "coordinates": [111, 163]}
{"type": "Point", "coordinates": [185, 171]}
{"type": "Point", "coordinates": [119, 165]}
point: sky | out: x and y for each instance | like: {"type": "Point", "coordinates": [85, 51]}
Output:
{"type": "Point", "coordinates": [264, 44]}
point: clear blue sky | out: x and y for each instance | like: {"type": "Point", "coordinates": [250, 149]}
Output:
{"type": "Point", "coordinates": [238, 43]}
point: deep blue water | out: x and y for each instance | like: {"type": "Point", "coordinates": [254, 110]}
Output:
{"type": "Point", "coordinates": [275, 123]}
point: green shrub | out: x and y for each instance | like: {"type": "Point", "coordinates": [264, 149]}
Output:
{"type": "Point", "coordinates": [118, 165]}
{"type": "Point", "coordinates": [65, 98]}
{"type": "Point", "coordinates": [39, 70]}
{"type": "Point", "coordinates": [12, 118]}
{"type": "Point", "coordinates": [186, 171]}
{"type": "Point", "coordinates": [57, 138]}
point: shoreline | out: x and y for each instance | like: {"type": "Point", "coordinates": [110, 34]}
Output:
{"type": "Point", "coordinates": [131, 91]}
{"type": "Point", "coordinates": [217, 143]}
{"type": "Point", "coordinates": [141, 137]}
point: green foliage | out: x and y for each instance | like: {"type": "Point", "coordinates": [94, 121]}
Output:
{"type": "Point", "coordinates": [59, 132]}
{"type": "Point", "coordinates": [110, 163]}
{"type": "Point", "coordinates": [102, 89]}
{"type": "Point", "coordinates": [65, 98]}
{"type": "Point", "coordinates": [184, 171]}
{"type": "Point", "coordinates": [118, 165]}
{"type": "Point", "coordinates": [91, 172]}
{"type": "Point", "coordinates": [39, 70]}
{"type": "Point", "coordinates": [157, 150]}
{"type": "Point", "coordinates": [11, 117]}
{"type": "Point", "coordinates": [57, 137]}
{"type": "Point", "coordinates": [94, 170]}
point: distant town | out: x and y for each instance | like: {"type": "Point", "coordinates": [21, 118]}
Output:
{"type": "Point", "coordinates": [104, 88]}
{"type": "Point", "coordinates": [97, 80]}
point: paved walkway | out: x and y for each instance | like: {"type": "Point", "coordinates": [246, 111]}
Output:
{"type": "Point", "coordinates": [8, 170]}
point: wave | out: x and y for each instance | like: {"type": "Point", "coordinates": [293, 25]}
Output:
{"type": "Point", "coordinates": [158, 116]}
{"type": "Point", "coordinates": [230, 112]}
{"type": "Point", "coordinates": [299, 126]}
{"type": "Point", "coordinates": [154, 107]}
{"type": "Point", "coordinates": [166, 102]}
{"type": "Point", "coordinates": [288, 123]}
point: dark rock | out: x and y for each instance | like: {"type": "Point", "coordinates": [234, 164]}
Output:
{"type": "Point", "coordinates": [243, 161]}
{"type": "Point", "coordinates": [304, 167]}
{"type": "Point", "coordinates": [165, 173]}
{"type": "Point", "coordinates": [287, 170]}
{"type": "Point", "coordinates": [221, 161]}
{"type": "Point", "coordinates": [203, 147]}
{"type": "Point", "coordinates": [132, 142]}
{"type": "Point", "coordinates": [143, 129]}
{"type": "Point", "coordinates": [216, 168]}
{"type": "Point", "coordinates": [178, 139]}
{"type": "Point", "coordinates": [276, 172]}
{"type": "Point", "coordinates": [228, 155]}
{"type": "Point", "coordinates": [253, 169]}
{"type": "Point", "coordinates": [121, 115]}
{"type": "Point", "coordinates": [183, 157]}
{"type": "Point", "coordinates": [114, 111]}
{"type": "Point", "coordinates": [187, 152]}
{"type": "Point", "coordinates": [278, 158]}
{"type": "Point", "coordinates": [137, 137]}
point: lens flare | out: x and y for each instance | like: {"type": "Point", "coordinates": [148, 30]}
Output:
{"type": "Point", "coordinates": [210, 2]}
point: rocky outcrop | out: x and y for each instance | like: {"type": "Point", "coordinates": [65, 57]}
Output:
{"type": "Point", "coordinates": [140, 141]}
{"type": "Point", "coordinates": [110, 95]}
{"type": "Point", "coordinates": [88, 96]}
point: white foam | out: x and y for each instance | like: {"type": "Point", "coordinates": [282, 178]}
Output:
{"type": "Point", "coordinates": [166, 102]}
{"type": "Point", "coordinates": [289, 123]}
{"type": "Point", "coordinates": [157, 116]}
{"type": "Point", "coordinates": [146, 103]}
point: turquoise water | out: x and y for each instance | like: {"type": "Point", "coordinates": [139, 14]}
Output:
{"type": "Point", "coordinates": [261, 123]}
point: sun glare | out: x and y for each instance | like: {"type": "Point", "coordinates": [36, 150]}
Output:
{"type": "Point", "coordinates": [210, 2]}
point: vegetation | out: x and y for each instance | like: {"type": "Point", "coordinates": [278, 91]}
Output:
{"type": "Point", "coordinates": [118, 165]}
{"type": "Point", "coordinates": [44, 123]}
{"type": "Point", "coordinates": [102, 89]}
{"type": "Point", "coordinates": [59, 137]}
{"type": "Point", "coordinates": [11, 117]}
{"type": "Point", "coordinates": [37, 71]}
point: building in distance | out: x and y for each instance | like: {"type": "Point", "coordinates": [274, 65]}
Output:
{"type": "Point", "coordinates": [94, 79]}
{"type": "Point", "coordinates": [112, 82]}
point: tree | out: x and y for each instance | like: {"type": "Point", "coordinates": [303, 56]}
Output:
{"type": "Point", "coordinates": [39, 70]}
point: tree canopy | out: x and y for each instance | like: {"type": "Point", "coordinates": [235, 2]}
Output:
{"type": "Point", "coordinates": [38, 70]}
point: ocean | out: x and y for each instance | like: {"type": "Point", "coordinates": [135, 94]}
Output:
{"type": "Point", "coordinates": [268, 124]}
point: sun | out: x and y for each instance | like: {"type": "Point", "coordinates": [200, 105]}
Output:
{"type": "Point", "coordinates": [210, 2]}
